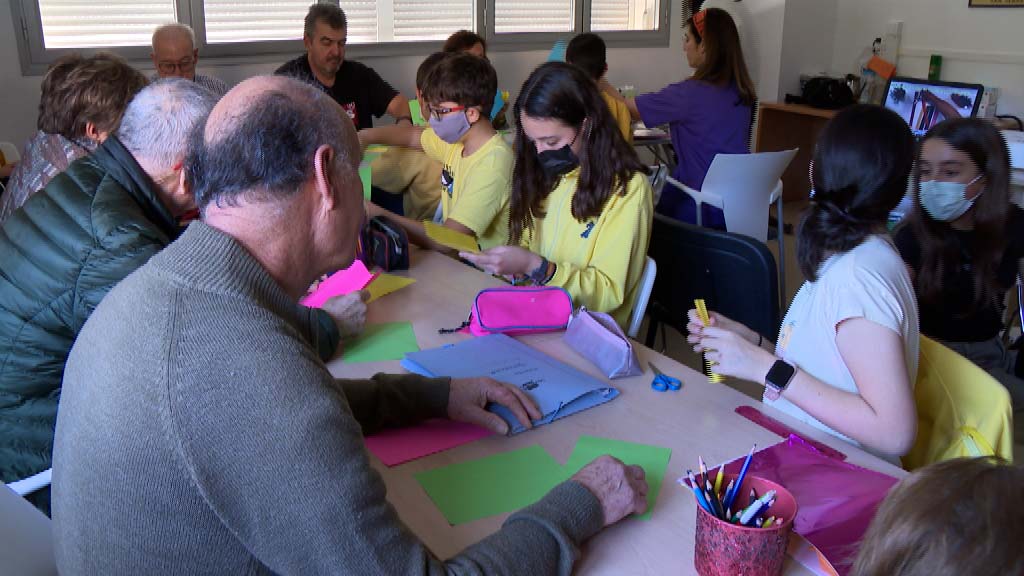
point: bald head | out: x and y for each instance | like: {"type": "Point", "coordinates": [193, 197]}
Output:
{"type": "Point", "coordinates": [259, 142]}
{"type": "Point", "coordinates": [174, 52]}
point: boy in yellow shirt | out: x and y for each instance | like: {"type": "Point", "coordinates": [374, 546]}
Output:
{"type": "Point", "coordinates": [581, 206]}
{"type": "Point", "coordinates": [410, 172]}
{"type": "Point", "coordinates": [476, 162]}
{"type": "Point", "coordinates": [588, 51]}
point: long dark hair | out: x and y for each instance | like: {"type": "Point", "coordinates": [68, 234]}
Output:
{"type": "Point", "coordinates": [861, 167]}
{"type": "Point", "coordinates": [939, 249]}
{"type": "Point", "coordinates": [563, 92]}
{"type": "Point", "coordinates": [723, 56]}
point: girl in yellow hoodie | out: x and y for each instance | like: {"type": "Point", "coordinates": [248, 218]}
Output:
{"type": "Point", "coordinates": [581, 204]}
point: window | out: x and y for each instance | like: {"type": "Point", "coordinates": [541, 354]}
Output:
{"type": "Point", "coordinates": [247, 27]}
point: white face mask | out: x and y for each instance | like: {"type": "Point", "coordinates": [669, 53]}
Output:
{"type": "Point", "coordinates": [946, 201]}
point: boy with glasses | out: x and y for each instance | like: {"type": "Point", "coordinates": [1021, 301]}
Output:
{"type": "Point", "coordinates": [476, 162]}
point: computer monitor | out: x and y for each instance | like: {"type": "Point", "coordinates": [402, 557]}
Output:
{"type": "Point", "coordinates": [925, 103]}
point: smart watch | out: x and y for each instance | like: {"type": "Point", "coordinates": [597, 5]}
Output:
{"type": "Point", "coordinates": [778, 379]}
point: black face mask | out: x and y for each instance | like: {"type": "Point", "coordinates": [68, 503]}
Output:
{"type": "Point", "coordinates": [558, 162]}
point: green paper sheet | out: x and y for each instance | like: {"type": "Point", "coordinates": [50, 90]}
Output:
{"type": "Point", "coordinates": [381, 342]}
{"type": "Point", "coordinates": [366, 177]}
{"type": "Point", "coordinates": [653, 459]}
{"type": "Point", "coordinates": [496, 484]}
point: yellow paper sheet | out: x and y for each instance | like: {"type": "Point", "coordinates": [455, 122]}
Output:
{"type": "Point", "coordinates": [385, 284]}
{"type": "Point", "coordinates": [450, 238]}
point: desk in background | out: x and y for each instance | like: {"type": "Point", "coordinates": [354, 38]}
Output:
{"type": "Point", "coordinates": [698, 420]}
{"type": "Point", "coordinates": [788, 126]}
{"type": "Point", "coordinates": [658, 142]}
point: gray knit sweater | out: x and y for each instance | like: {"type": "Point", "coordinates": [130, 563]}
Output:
{"type": "Point", "coordinates": [199, 433]}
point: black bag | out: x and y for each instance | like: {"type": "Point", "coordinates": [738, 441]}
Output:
{"type": "Point", "coordinates": [827, 93]}
{"type": "Point", "coordinates": [385, 244]}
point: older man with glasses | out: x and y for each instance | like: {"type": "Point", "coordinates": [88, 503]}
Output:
{"type": "Point", "coordinates": [175, 55]}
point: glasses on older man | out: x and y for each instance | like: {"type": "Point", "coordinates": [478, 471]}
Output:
{"type": "Point", "coordinates": [184, 65]}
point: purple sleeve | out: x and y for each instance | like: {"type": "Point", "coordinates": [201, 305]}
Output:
{"type": "Point", "coordinates": [670, 104]}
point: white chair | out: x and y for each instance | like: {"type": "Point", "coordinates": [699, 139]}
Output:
{"type": "Point", "coordinates": [744, 186]}
{"type": "Point", "coordinates": [9, 153]}
{"type": "Point", "coordinates": [643, 296]}
{"type": "Point", "coordinates": [26, 539]}
{"type": "Point", "coordinates": [29, 485]}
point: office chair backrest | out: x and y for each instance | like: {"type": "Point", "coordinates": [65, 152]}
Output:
{"type": "Point", "coordinates": [734, 274]}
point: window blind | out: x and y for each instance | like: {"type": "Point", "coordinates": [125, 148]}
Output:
{"type": "Point", "coordinates": [260, 20]}
{"type": "Point", "coordinates": [431, 19]}
{"type": "Point", "coordinates": [88, 24]}
{"type": "Point", "coordinates": [610, 14]}
{"type": "Point", "coordinates": [512, 16]}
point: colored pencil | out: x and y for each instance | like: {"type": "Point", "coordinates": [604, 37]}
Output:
{"type": "Point", "coordinates": [739, 479]}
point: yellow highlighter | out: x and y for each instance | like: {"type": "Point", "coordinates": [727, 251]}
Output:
{"type": "Point", "coordinates": [705, 319]}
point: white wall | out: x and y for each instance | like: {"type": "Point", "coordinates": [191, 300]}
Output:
{"type": "Point", "coordinates": [768, 17]}
{"type": "Point", "coordinates": [983, 45]}
{"type": "Point", "coordinates": [808, 35]}
{"type": "Point", "coordinates": [647, 69]}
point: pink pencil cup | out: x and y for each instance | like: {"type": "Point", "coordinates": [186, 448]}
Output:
{"type": "Point", "coordinates": [724, 549]}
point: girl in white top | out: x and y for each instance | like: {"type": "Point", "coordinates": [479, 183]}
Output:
{"type": "Point", "coordinates": [846, 359]}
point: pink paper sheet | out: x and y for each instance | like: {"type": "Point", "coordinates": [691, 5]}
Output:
{"type": "Point", "coordinates": [836, 499]}
{"type": "Point", "coordinates": [353, 278]}
{"type": "Point", "coordinates": [400, 445]}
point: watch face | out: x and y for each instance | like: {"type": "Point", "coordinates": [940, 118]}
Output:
{"type": "Point", "coordinates": [779, 375]}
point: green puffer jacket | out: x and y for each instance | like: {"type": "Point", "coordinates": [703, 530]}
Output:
{"type": "Point", "coordinates": [60, 254]}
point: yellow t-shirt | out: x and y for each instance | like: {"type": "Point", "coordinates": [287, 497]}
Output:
{"type": "Point", "coordinates": [599, 261]}
{"type": "Point", "coordinates": [475, 188]}
{"type": "Point", "coordinates": [620, 112]}
{"type": "Point", "coordinates": [409, 172]}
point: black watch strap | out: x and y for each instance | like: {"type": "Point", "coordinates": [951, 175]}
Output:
{"type": "Point", "coordinates": [540, 274]}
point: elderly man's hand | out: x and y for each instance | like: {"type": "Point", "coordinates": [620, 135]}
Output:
{"type": "Point", "coordinates": [621, 489]}
{"type": "Point", "coordinates": [468, 399]}
{"type": "Point", "coordinates": [348, 312]}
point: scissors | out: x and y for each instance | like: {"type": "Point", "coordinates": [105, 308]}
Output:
{"type": "Point", "coordinates": [663, 382]}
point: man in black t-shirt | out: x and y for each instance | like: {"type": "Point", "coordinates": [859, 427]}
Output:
{"type": "Point", "coordinates": [360, 91]}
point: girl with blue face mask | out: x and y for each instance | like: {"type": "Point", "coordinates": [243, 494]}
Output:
{"type": "Point", "coordinates": [964, 241]}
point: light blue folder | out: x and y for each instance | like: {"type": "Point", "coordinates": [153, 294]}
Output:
{"type": "Point", "coordinates": [558, 389]}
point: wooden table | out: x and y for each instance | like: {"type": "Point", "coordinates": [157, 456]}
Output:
{"type": "Point", "coordinates": [698, 420]}
{"type": "Point", "coordinates": [788, 126]}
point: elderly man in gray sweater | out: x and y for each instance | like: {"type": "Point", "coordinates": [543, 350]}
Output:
{"type": "Point", "coordinates": [200, 433]}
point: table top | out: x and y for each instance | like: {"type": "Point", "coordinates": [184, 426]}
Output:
{"type": "Point", "coordinates": [698, 420]}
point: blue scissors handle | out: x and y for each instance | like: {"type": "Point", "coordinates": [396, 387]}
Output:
{"type": "Point", "coordinates": [663, 382]}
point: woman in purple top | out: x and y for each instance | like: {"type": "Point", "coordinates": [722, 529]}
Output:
{"type": "Point", "coordinates": [709, 113]}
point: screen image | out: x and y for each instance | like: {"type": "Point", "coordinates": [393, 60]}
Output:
{"type": "Point", "coordinates": [924, 105]}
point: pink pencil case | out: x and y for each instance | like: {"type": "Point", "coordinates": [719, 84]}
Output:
{"type": "Point", "coordinates": [598, 337]}
{"type": "Point", "coordinates": [520, 310]}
